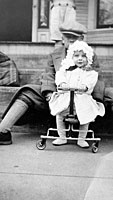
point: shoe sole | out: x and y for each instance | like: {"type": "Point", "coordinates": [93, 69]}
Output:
{"type": "Point", "coordinates": [58, 144]}
{"type": "Point", "coordinates": [6, 143]}
{"type": "Point", "coordinates": [83, 147]}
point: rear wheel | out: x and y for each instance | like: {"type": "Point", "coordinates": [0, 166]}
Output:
{"type": "Point", "coordinates": [95, 147]}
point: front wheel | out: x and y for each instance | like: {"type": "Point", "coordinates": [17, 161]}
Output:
{"type": "Point", "coordinates": [41, 145]}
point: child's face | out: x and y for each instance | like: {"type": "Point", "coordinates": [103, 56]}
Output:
{"type": "Point", "coordinates": [80, 59]}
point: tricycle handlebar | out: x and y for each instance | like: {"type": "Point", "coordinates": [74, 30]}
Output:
{"type": "Point", "coordinates": [71, 89]}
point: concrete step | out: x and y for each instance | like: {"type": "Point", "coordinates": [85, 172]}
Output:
{"type": "Point", "coordinates": [33, 61]}
{"type": "Point", "coordinates": [32, 76]}
{"type": "Point", "coordinates": [26, 48]}
{"type": "Point", "coordinates": [31, 66]}
{"type": "Point", "coordinates": [6, 94]}
{"type": "Point", "coordinates": [30, 61]}
{"type": "Point", "coordinates": [108, 77]}
{"type": "Point", "coordinates": [34, 48]}
{"type": "Point", "coordinates": [106, 62]}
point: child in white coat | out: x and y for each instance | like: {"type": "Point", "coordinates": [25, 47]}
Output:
{"type": "Point", "coordinates": [76, 72]}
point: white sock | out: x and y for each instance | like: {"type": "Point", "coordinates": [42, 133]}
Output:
{"type": "Point", "coordinates": [15, 112]}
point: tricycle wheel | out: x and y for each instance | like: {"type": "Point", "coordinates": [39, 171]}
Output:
{"type": "Point", "coordinates": [41, 145]}
{"type": "Point", "coordinates": [95, 147]}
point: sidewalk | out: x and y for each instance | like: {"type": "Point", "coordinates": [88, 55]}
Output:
{"type": "Point", "coordinates": [65, 173]}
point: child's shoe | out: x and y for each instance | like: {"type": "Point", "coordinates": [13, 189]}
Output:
{"type": "Point", "coordinates": [5, 138]}
{"type": "Point", "coordinates": [82, 143]}
{"type": "Point", "coordinates": [59, 141]}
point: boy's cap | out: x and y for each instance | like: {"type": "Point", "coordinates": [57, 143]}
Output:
{"type": "Point", "coordinates": [73, 28]}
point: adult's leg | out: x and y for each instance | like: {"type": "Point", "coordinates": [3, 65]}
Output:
{"type": "Point", "coordinates": [54, 24]}
{"type": "Point", "coordinates": [25, 100]}
{"type": "Point", "coordinates": [15, 112]}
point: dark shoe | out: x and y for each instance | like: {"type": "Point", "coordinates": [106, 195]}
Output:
{"type": "Point", "coordinates": [5, 138]}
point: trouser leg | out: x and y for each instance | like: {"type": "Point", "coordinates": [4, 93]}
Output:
{"type": "Point", "coordinates": [25, 100]}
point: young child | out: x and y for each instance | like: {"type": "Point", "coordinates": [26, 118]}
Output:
{"type": "Point", "coordinates": [76, 72]}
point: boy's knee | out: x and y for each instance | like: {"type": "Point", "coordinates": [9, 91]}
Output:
{"type": "Point", "coordinates": [26, 99]}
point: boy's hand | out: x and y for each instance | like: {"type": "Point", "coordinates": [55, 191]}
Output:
{"type": "Point", "coordinates": [48, 96]}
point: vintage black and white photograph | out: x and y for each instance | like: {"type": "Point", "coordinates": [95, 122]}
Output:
{"type": "Point", "coordinates": [56, 99]}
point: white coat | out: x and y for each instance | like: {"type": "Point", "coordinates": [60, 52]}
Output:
{"type": "Point", "coordinates": [86, 107]}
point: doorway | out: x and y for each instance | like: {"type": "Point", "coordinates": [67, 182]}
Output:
{"type": "Point", "coordinates": [15, 20]}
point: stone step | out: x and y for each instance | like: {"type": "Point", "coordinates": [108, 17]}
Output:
{"type": "Point", "coordinates": [106, 62]}
{"type": "Point", "coordinates": [40, 61]}
{"type": "Point", "coordinates": [6, 94]}
{"type": "Point", "coordinates": [108, 77]}
{"type": "Point", "coordinates": [26, 48]}
{"type": "Point", "coordinates": [34, 49]}
{"type": "Point", "coordinates": [33, 76]}
{"type": "Point", "coordinates": [30, 61]}
{"type": "Point", "coordinates": [27, 64]}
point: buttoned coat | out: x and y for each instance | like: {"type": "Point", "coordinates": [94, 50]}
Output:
{"type": "Point", "coordinates": [87, 109]}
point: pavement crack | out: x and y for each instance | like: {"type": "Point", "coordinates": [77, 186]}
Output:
{"type": "Point", "coordinates": [55, 175]}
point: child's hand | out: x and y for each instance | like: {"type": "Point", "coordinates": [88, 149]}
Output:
{"type": "Point", "coordinates": [63, 86]}
{"type": "Point", "coordinates": [83, 88]}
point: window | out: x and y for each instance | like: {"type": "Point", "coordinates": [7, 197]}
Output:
{"type": "Point", "coordinates": [43, 14]}
{"type": "Point", "coordinates": [105, 13]}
